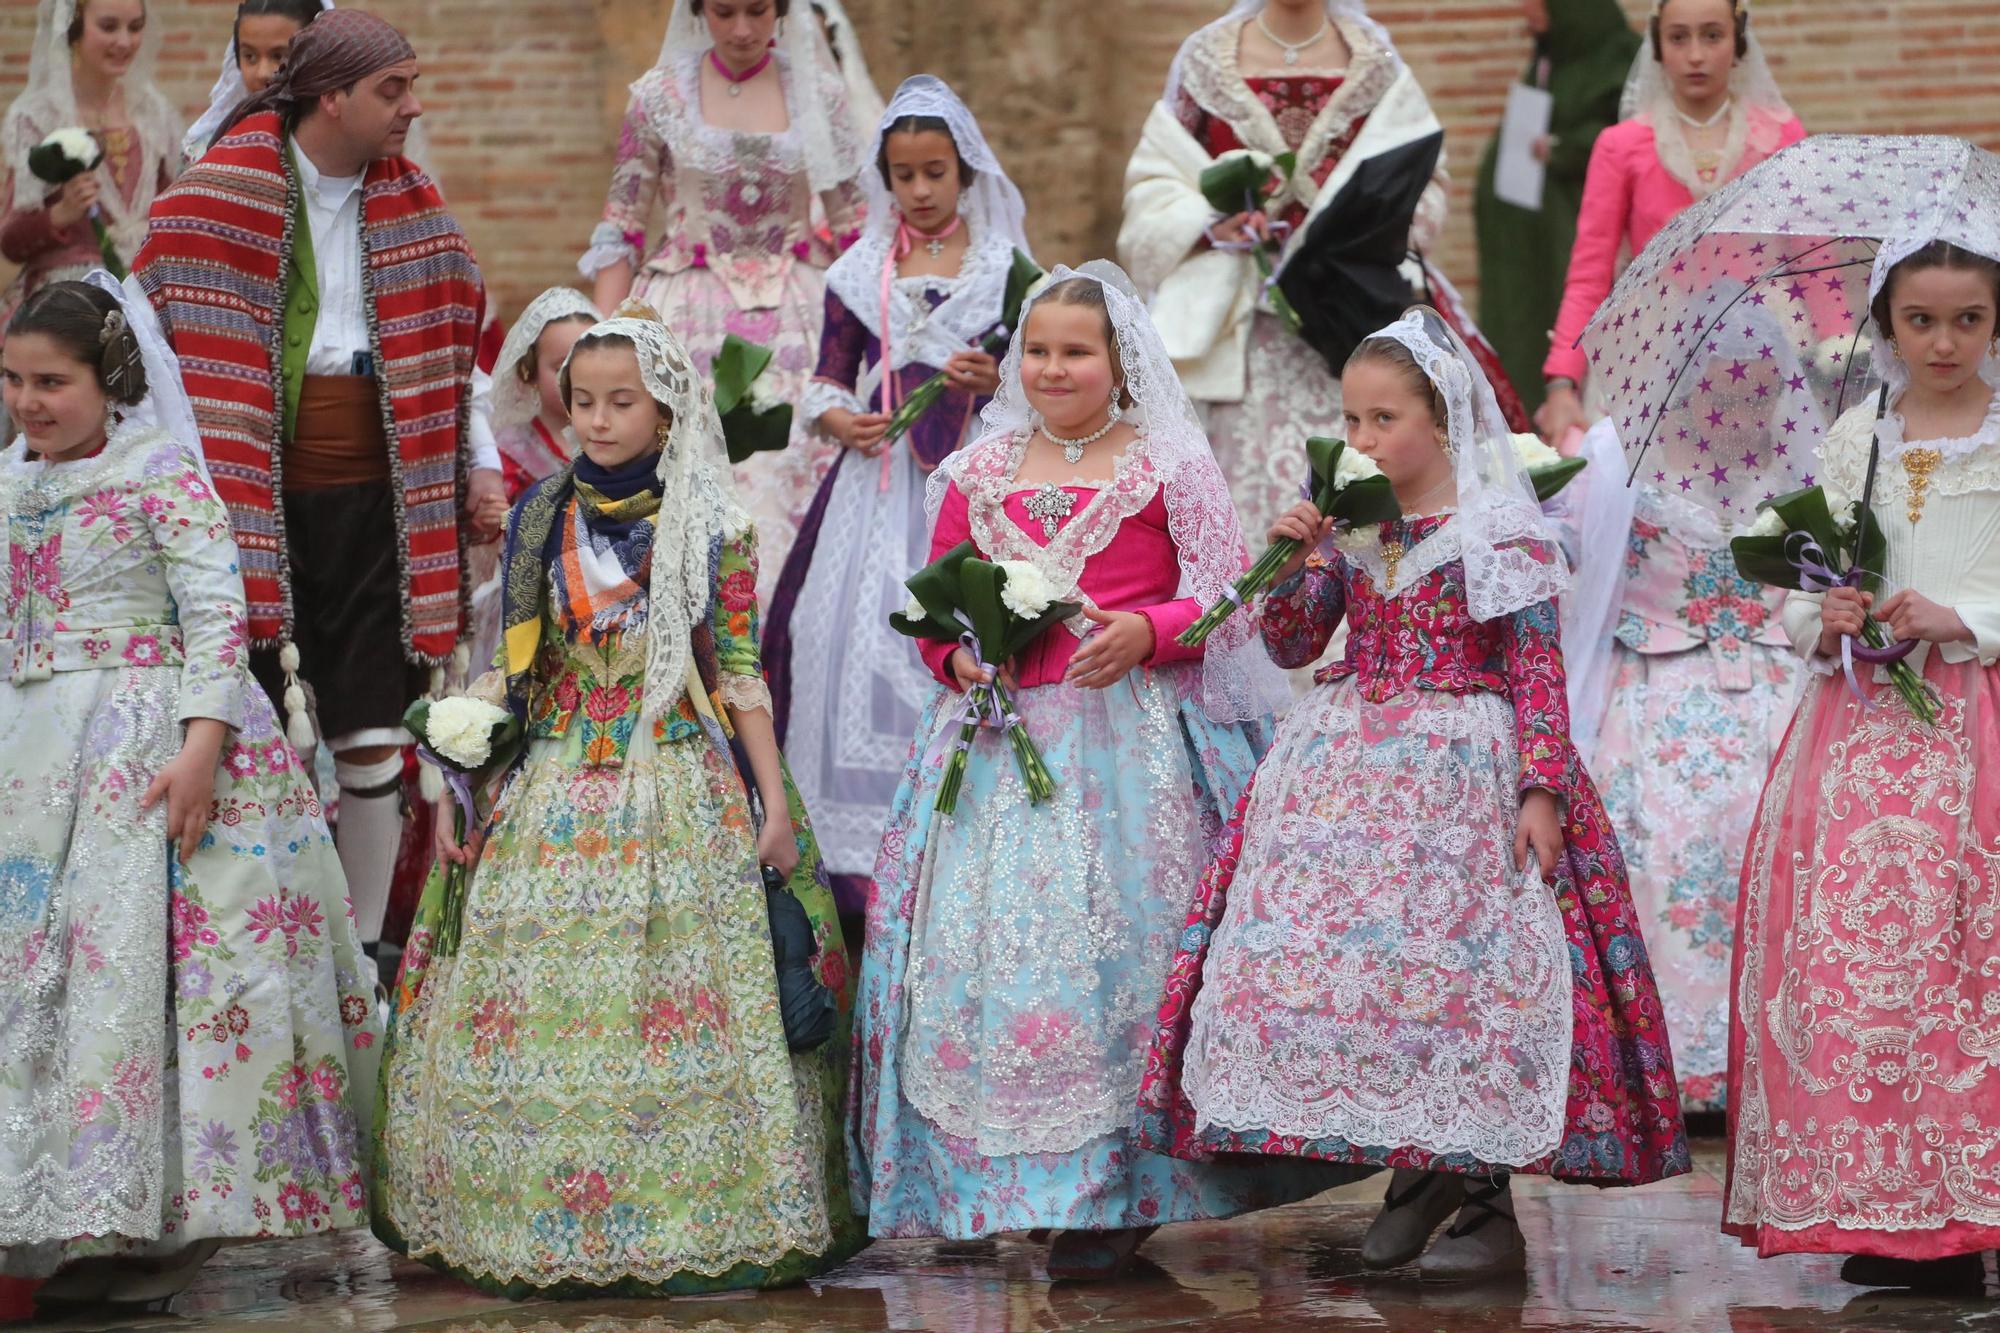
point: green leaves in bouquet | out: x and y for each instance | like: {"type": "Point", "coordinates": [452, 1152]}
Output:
{"type": "Point", "coordinates": [745, 430]}
{"type": "Point", "coordinates": [1022, 274]}
{"type": "Point", "coordinates": [1364, 501]}
{"type": "Point", "coordinates": [935, 588]}
{"type": "Point", "coordinates": [1551, 479]}
{"type": "Point", "coordinates": [1232, 185]}
{"type": "Point", "coordinates": [738, 364]}
{"type": "Point", "coordinates": [48, 164]}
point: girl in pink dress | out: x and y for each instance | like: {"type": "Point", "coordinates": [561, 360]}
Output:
{"type": "Point", "coordinates": [1864, 1111]}
{"type": "Point", "coordinates": [1417, 949]}
{"type": "Point", "coordinates": [1681, 675]}
{"type": "Point", "coordinates": [1016, 952]}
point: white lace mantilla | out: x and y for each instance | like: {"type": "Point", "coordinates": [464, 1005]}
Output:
{"type": "Point", "coordinates": [1383, 974]}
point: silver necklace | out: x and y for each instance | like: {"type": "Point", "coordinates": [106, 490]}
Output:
{"type": "Point", "coordinates": [1292, 49]}
{"type": "Point", "coordinates": [1413, 511]}
{"type": "Point", "coordinates": [1692, 123]}
{"type": "Point", "coordinates": [1073, 449]}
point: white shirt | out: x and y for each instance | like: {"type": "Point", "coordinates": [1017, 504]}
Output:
{"type": "Point", "coordinates": [340, 328]}
{"type": "Point", "coordinates": [1951, 554]}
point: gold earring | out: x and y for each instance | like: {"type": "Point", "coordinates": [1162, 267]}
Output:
{"type": "Point", "coordinates": [660, 435]}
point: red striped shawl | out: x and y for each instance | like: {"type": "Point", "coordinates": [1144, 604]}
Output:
{"type": "Point", "coordinates": [213, 265]}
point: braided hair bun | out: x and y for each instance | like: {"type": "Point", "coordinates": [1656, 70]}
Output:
{"type": "Point", "coordinates": [88, 324]}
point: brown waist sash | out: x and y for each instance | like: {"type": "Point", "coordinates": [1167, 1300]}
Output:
{"type": "Point", "coordinates": [339, 439]}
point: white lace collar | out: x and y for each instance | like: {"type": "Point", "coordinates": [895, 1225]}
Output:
{"type": "Point", "coordinates": [1889, 432]}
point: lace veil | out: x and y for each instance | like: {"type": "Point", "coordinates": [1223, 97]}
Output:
{"type": "Point", "coordinates": [514, 403]}
{"type": "Point", "coordinates": [49, 103]}
{"type": "Point", "coordinates": [1238, 681]}
{"type": "Point", "coordinates": [698, 507]}
{"type": "Point", "coordinates": [1512, 556]}
{"type": "Point", "coordinates": [1968, 218]}
{"type": "Point", "coordinates": [1751, 86]}
{"type": "Point", "coordinates": [991, 207]}
{"type": "Point", "coordinates": [817, 98]}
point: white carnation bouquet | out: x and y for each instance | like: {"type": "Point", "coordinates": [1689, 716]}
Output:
{"type": "Point", "coordinates": [466, 740]}
{"type": "Point", "coordinates": [993, 610]}
{"type": "Point", "coordinates": [59, 159]}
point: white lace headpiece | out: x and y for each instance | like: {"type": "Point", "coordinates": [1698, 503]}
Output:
{"type": "Point", "coordinates": [1347, 11]}
{"type": "Point", "coordinates": [1751, 86]}
{"type": "Point", "coordinates": [1967, 217]}
{"type": "Point", "coordinates": [818, 100]}
{"type": "Point", "coordinates": [993, 212]}
{"type": "Point", "coordinates": [1238, 681]}
{"type": "Point", "coordinates": [1512, 557]}
{"type": "Point", "coordinates": [698, 506]}
{"type": "Point", "coordinates": [49, 103]}
{"type": "Point", "coordinates": [516, 403]}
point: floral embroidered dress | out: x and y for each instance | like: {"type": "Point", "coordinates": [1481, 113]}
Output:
{"type": "Point", "coordinates": [1864, 1112]}
{"type": "Point", "coordinates": [594, 1092]}
{"type": "Point", "coordinates": [737, 254]}
{"type": "Point", "coordinates": [1701, 680]}
{"type": "Point", "coordinates": [1015, 952]}
{"type": "Point", "coordinates": [185, 1049]}
{"type": "Point", "coordinates": [1364, 977]}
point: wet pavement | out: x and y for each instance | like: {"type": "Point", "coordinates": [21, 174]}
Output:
{"type": "Point", "coordinates": [1598, 1260]}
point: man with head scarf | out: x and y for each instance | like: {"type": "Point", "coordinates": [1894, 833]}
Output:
{"type": "Point", "coordinates": [1583, 49]}
{"type": "Point", "coordinates": [326, 309]}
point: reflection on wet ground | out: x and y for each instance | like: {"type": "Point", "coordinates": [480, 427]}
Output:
{"type": "Point", "coordinates": [1628, 1259]}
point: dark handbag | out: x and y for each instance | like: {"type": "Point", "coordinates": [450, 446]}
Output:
{"type": "Point", "coordinates": [807, 1007]}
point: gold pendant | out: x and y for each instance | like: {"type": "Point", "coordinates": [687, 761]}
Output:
{"type": "Point", "coordinates": [1918, 464]}
{"type": "Point", "coordinates": [1392, 555]}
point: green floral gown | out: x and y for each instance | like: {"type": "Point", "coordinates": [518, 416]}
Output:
{"type": "Point", "coordinates": [594, 1093]}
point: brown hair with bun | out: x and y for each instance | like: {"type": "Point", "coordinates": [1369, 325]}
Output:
{"type": "Point", "coordinates": [86, 322]}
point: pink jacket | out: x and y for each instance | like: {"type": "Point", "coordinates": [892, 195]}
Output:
{"type": "Point", "coordinates": [1139, 571]}
{"type": "Point", "coordinates": [1627, 197]}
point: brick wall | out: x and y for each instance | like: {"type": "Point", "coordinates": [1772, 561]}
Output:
{"type": "Point", "coordinates": [525, 94]}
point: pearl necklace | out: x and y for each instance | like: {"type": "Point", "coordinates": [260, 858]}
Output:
{"type": "Point", "coordinates": [1292, 49]}
{"type": "Point", "coordinates": [1073, 449]}
{"type": "Point", "coordinates": [1692, 123]}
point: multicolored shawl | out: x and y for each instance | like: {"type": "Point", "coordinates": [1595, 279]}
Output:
{"type": "Point", "coordinates": [541, 559]}
{"type": "Point", "coordinates": [214, 267]}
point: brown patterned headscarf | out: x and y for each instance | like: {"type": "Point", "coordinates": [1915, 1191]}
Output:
{"type": "Point", "coordinates": [335, 51]}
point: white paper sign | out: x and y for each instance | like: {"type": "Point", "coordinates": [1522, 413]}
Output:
{"type": "Point", "coordinates": [1517, 176]}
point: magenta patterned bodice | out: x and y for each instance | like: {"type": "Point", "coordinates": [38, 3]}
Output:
{"type": "Point", "coordinates": [1422, 637]}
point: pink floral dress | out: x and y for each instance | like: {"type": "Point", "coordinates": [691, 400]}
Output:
{"type": "Point", "coordinates": [185, 1049]}
{"type": "Point", "coordinates": [1364, 977]}
{"type": "Point", "coordinates": [737, 254]}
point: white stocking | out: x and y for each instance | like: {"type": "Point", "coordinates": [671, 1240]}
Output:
{"type": "Point", "coordinates": [368, 836]}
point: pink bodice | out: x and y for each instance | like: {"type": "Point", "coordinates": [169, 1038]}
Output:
{"type": "Point", "coordinates": [1628, 196]}
{"type": "Point", "coordinates": [1138, 569]}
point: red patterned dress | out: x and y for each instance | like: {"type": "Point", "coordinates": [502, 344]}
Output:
{"type": "Point", "coordinates": [1364, 976]}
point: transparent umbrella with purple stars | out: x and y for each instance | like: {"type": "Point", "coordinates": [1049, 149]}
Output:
{"type": "Point", "coordinates": [1739, 334]}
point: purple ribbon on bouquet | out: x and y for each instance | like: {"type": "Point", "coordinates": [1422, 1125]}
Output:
{"type": "Point", "coordinates": [992, 714]}
{"type": "Point", "coordinates": [1816, 575]}
{"type": "Point", "coordinates": [461, 787]}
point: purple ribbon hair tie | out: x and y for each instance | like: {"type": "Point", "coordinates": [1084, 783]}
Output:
{"type": "Point", "coordinates": [1816, 575]}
